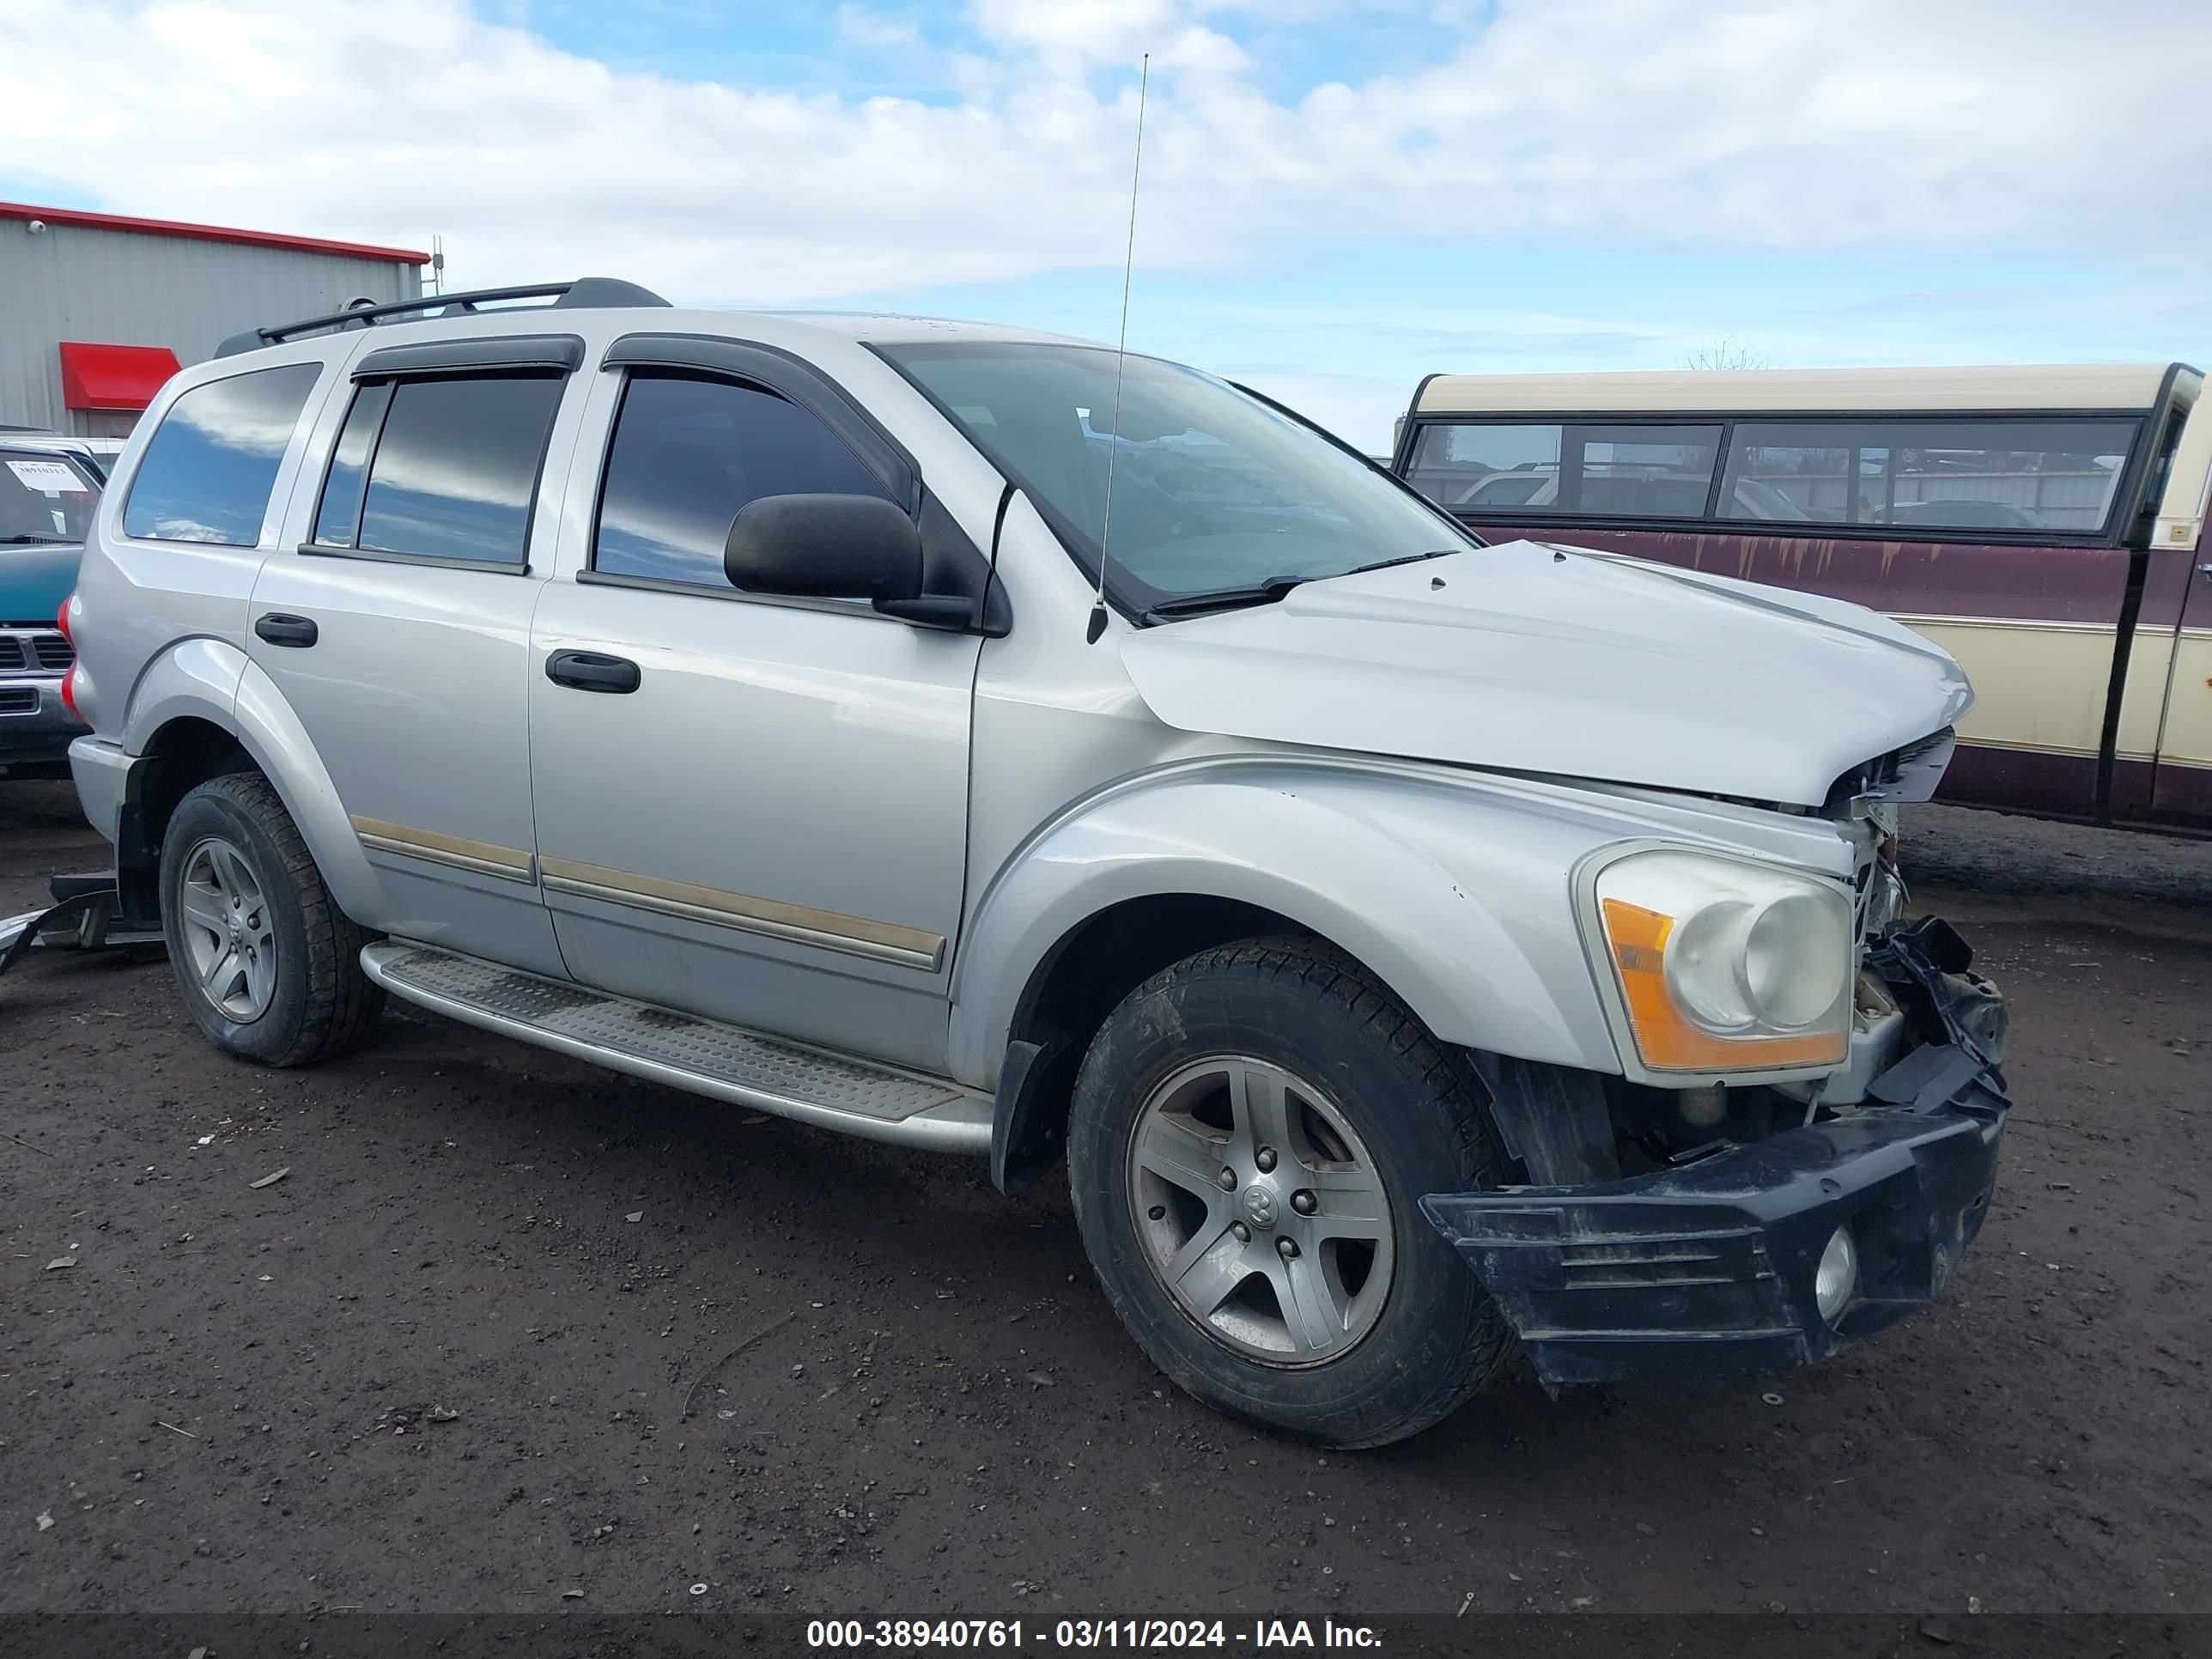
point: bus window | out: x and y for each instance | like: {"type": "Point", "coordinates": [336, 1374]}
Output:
{"type": "Point", "coordinates": [1624, 471]}
{"type": "Point", "coordinates": [1477, 466]}
{"type": "Point", "coordinates": [2011, 475]}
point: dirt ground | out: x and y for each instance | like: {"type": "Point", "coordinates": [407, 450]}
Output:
{"type": "Point", "coordinates": [474, 1350]}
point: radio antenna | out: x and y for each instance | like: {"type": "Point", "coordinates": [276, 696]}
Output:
{"type": "Point", "coordinates": [1097, 624]}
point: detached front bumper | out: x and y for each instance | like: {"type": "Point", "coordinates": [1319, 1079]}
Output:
{"type": "Point", "coordinates": [1708, 1268]}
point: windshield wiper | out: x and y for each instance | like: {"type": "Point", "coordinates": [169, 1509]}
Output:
{"type": "Point", "coordinates": [1266, 592]}
{"type": "Point", "coordinates": [1403, 558]}
{"type": "Point", "coordinates": [54, 541]}
{"type": "Point", "coordinates": [1222, 598]}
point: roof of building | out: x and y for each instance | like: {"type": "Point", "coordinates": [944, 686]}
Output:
{"type": "Point", "coordinates": [2041, 387]}
{"type": "Point", "coordinates": [52, 215]}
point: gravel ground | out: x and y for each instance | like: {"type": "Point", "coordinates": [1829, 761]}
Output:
{"type": "Point", "coordinates": [510, 1328]}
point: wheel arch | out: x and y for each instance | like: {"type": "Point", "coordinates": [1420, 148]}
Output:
{"type": "Point", "coordinates": [1071, 991]}
{"type": "Point", "coordinates": [182, 753]}
{"type": "Point", "coordinates": [1156, 870]}
{"type": "Point", "coordinates": [202, 709]}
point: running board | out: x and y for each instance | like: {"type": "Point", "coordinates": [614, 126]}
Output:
{"type": "Point", "coordinates": [769, 1074]}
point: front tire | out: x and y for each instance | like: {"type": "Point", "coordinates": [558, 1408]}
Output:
{"type": "Point", "coordinates": [1250, 1132]}
{"type": "Point", "coordinates": [266, 961]}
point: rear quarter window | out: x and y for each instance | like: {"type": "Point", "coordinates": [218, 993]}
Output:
{"type": "Point", "coordinates": [209, 467]}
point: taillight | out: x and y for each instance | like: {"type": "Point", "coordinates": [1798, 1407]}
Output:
{"type": "Point", "coordinates": [70, 675]}
{"type": "Point", "coordinates": [69, 679]}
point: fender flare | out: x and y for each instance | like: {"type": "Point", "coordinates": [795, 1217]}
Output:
{"type": "Point", "coordinates": [195, 678]}
{"type": "Point", "coordinates": [212, 680]}
{"type": "Point", "coordinates": [1458, 898]}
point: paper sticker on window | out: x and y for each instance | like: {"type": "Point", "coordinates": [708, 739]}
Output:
{"type": "Point", "coordinates": [47, 478]}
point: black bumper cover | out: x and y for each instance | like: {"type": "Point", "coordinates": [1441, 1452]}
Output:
{"type": "Point", "coordinates": [1707, 1267]}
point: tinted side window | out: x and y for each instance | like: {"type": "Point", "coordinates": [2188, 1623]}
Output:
{"type": "Point", "coordinates": [456, 468]}
{"type": "Point", "coordinates": [687, 453]}
{"type": "Point", "coordinates": [1931, 474]}
{"type": "Point", "coordinates": [208, 471]}
{"type": "Point", "coordinates": [1523, 467]}
{"type": "Point", "coordinates": [339, 516]}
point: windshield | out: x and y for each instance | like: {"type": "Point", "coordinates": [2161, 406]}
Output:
{"type": "Point", "coordinates": [44, 498]}
{"type": "Point", "coordinates": [1213, 491]}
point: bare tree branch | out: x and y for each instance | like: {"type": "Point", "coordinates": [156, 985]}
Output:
{"type": "Point", "coordinates": [1727, 352]}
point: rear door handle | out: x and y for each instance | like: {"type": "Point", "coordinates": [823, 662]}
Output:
{"type": "Point", "coordinates": [278, 629]}
{"type": "Point", "coordinates": [590, 671]}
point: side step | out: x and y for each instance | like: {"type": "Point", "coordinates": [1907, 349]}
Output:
{"type": "Point", "coordinates": [769, 1074]}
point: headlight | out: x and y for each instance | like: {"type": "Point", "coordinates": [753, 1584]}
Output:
{"type": "Point", "coordinates": [1726, 965]}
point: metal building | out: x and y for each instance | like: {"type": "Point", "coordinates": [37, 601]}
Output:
{"type": "Point", "coordinates": [96, 310]}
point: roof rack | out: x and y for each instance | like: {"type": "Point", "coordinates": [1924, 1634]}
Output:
{"type": "Point", "coordinates": [592, 291]}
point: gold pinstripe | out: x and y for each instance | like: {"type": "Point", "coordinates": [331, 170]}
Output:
{"type": "Point", "coordinates": [486, 858]}
{"type": "Point", "coordinates": [880, 941]}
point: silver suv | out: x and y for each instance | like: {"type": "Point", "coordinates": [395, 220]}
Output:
{"type": "Point", "coordinates": [1421, 950]}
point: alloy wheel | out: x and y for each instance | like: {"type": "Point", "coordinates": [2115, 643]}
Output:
{"type": "Point", "coordinates": [228, 931]}
{"type": "Point", "coordinates": [1260, 1210]}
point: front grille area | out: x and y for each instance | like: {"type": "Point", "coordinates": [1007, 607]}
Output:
{"type": "Point", "coordinates": [19, 699]}
{"type": "Point", "coordinates": [43, 652]}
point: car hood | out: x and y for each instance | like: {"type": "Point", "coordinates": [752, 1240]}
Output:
{"type": "Point", "coordinates": [1532, 658]}
{"type": "Point", "coordinates": [34, 579]}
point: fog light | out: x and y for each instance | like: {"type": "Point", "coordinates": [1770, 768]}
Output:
{"type": "Point", "coordinates": [1838, 1275]}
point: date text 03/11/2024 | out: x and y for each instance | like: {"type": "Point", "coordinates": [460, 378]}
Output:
{"type": "Point", "coordinates": [1125, 1633]}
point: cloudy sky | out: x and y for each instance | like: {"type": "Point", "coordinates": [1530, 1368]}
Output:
{"type": "Point", "coordinates": [1339, 196]}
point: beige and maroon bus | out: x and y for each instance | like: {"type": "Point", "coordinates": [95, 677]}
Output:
{"type": "Point", "coordinates": [2046, 525]}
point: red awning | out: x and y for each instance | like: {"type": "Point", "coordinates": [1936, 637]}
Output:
{"type": "Point", "coordinates": [113, 376]}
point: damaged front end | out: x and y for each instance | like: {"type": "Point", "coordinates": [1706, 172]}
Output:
{"type": "Point", "coordinates": [1805, 1218]}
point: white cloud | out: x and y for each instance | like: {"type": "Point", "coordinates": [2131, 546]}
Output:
{"type": "Point", "coordinates": [1071, 38]}
{"type": "Point", "coordinates": [2032, 126]}
{"type": "Point", "coordinates": [874, 30]}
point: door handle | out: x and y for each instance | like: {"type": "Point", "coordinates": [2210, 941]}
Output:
{"type": "Point", "coordinates": [278, 629]}
{"type": "Point", "coordinates": [590, 671]}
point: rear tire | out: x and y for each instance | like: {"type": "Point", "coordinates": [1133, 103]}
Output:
{"type": "Point", "coordinates": [266, 961]}
{"type": "Point", "coordinates": [1194, 1222]}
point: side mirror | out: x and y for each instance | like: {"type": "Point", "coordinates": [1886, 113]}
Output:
{"type": "Point", "coordinates": [824, 547]}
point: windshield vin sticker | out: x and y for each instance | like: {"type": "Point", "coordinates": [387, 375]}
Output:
{"type": "Point", "coordinates": [47, 478]}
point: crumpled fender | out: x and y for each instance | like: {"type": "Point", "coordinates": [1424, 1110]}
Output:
{"type": "Point", "coordinates": [211, 679]}
{"type": "Point", "coordinates": [1456, 895]}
